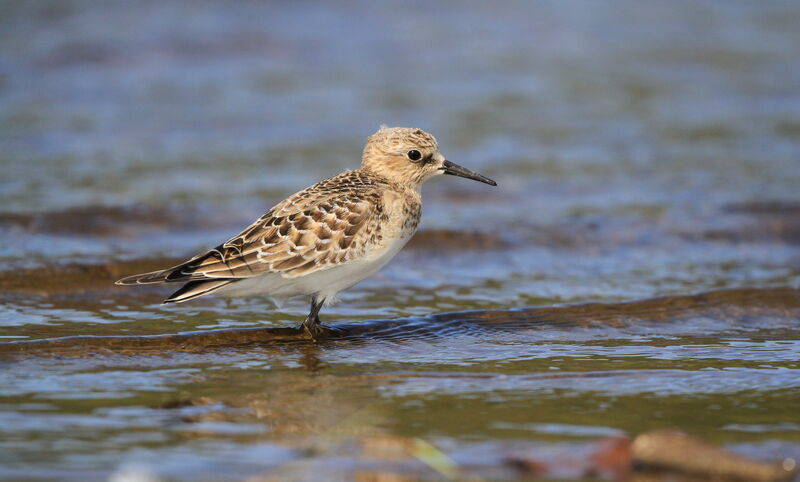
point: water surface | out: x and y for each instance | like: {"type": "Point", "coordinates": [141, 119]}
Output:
{"type": "Point", "coordinates": [636, 268]}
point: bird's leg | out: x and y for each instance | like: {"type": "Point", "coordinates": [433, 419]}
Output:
{"type": "Point", "coordinates": [311, 323]}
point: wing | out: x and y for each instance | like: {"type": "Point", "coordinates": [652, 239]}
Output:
{"type": "Point", "coordinates": [307, 232]}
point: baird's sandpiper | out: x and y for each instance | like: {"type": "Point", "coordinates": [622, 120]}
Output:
{"type": "Point", "coordinates": [327, 237]}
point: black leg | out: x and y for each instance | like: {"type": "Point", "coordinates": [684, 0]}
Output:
{"type": "Point", "coordinates": [311, 323]}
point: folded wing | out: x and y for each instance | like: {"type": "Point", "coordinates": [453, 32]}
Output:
{"type": "Point", "coordinates": [297, 237]}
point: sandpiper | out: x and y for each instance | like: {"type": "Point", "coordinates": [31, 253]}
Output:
{"type": "Point", "coordinates": [327, 237]}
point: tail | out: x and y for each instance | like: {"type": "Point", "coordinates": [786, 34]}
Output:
{"type": "Point", "coordinates": [194, 289]}
{"type": "Point", "coordinates": [183, 272]}
{"type": "Point", "coordinates": [179, 273]}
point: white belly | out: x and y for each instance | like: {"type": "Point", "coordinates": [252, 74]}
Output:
{"type": "Point", "coordinates": [323, 284]}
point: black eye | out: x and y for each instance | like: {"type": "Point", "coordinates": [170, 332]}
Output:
{"type": "Point", "coordinates": [414, 155]}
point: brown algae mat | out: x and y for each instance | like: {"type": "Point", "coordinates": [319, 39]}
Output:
{"type": "Point", "coordinates": [736, 307]}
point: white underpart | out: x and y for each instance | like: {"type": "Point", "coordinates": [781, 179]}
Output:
{"type": "Point", "coordinates": [322, 284]}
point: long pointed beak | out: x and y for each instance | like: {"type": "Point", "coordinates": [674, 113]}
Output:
{"type": "Point", "coordinates": [456, 170]}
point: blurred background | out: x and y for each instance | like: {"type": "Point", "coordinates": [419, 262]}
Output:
{"type": "Point", "coordinates": [627, 126]}
{"type": "Point", "coordinates": [641, 149]}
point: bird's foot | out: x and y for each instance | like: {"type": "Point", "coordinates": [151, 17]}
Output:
{"type": "Point", "coordinates": [317, 331]}
{"type": "Point", "coordinates": [312, 329]}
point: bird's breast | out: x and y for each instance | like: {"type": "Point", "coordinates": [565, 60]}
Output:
{"type": "Point", "coordinates": [401, 214]}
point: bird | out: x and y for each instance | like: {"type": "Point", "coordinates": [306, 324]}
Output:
{"type": "Point", "coordinates": [325, 238]}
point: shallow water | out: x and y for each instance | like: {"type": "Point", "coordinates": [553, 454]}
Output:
{"type": "Point", "coordinates": [637, 267]}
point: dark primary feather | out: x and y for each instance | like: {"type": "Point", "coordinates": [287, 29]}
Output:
{"type": "Point", "coordinates": [193, 289]}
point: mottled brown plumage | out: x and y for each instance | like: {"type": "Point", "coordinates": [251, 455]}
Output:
{"type": "Point", "coordinates": [324, 238]}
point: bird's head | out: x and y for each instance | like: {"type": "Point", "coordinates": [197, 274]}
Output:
{"type": "Point", "coordinates": [410, 156]}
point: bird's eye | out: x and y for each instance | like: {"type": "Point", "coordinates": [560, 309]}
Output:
{"type": "Point", "coordinates": [414, 155]}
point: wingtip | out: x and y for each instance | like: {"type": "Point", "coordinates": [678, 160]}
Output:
{"type": "Point", "coordinates": [142, 279]}
{"type": "Point", "coordinates": [128, 280]}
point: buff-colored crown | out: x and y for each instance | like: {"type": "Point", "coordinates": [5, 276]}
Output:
{"type": "Point", "coordinates": [395, 140]}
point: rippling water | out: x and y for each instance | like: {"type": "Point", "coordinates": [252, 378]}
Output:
{"type": "Point", "coordinates": [645, 153]}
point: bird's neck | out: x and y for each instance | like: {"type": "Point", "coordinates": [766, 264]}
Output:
{"type": "Point", "coordinates": [399, 185]}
